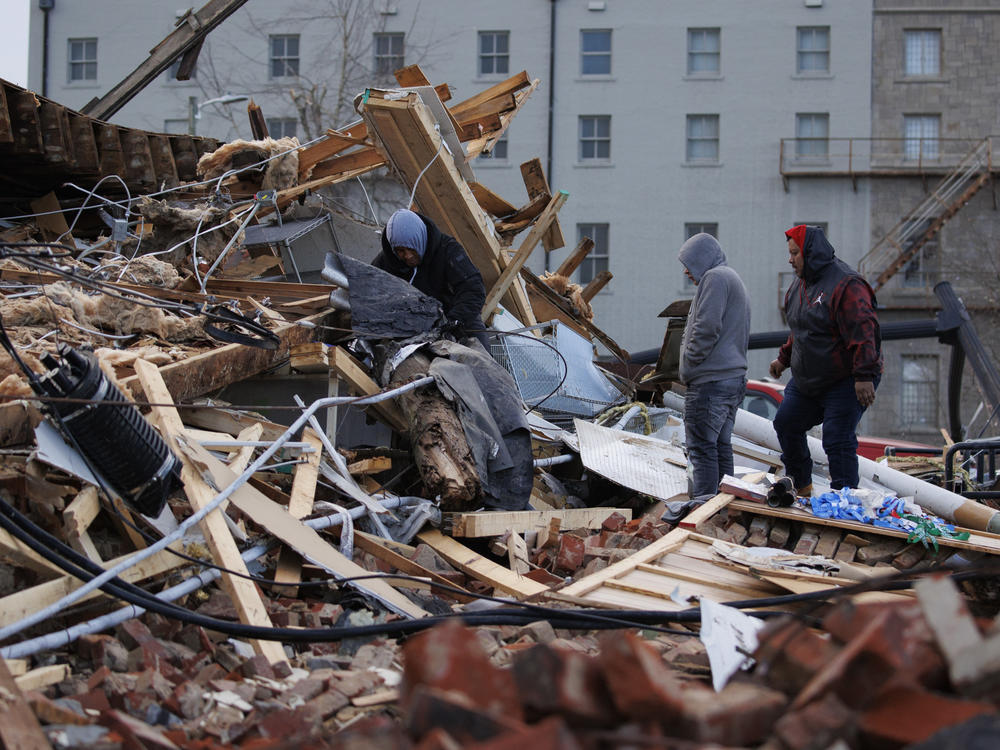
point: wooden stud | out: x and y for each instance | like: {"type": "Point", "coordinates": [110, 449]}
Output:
{"type": "Point", "coordinates": [42, 677]}
{"type": "Point", "coordinates": [77, 517]}
{"type": "Point", "coordinates": [596, 284]}
{"type": "Point", "coordinates": [536, 184]}
{"type": "Point", "coordinates": [517, 554]}
{"type": "Point", "coordinates": [493, 523]}
{"type": "Point", "coordinates": [289, 567]}
{"type": "Point", "coordinates": [347, 367]}
{"type": "Point", "coordinates": [382, 550]}
{"type": "Point", "coordinates": [574, 259]}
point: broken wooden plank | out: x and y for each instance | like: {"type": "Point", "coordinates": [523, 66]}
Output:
{"type": "Point", "coordinates": [574, 259]}
{"type": "Point", "coordinates": [289, 566]}
{"type": "Point", "coordinates": [494, 523]}
{"type": "Point", "coordinates": [244, 594]}
{"type": "Point", "coordinates": [77, 517]}
{"type": "Point", "coordinates": [596, 284]}
{"type": "Point", "coordinates": [517, 553]}
{"type": "Point", "coordinates": [509, 274]}
{"type": "Point", "coordinates": [42, 677]}
{"type": "Point", "coordinates": [344, 365]}
{"type": "Point", "coordinates": [536, 184]}
{"type": "Point", "coordinates": [479, 567]}
{"type": "Point", "coordinates": [370, 465]}
{"type": "Point", "coordinates": [19, 729]}
{"type": "Point", "coordinates": [382, 549]}
{"type": "Point", "coordinates": [490, 202]}
{"type": "Point", "coordinates": [310, 357]}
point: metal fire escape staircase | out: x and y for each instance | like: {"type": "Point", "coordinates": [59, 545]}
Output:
{"type": "Point", "coordinates": [904, 240]}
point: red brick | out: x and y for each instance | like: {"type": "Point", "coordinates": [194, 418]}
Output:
{"type": "Point", "coordinates": [739, 715]}
{"type": "Point", "coordinates": [904, 714]}
{"type": "Point", "coordinates": [641, 685]}
{"type": "Point", "coordinates": [571, 552]}
{"type": "Point", "coordinates": [104, 650]}
{"type": "Point", "coordinates": [614, 522]}
{"type": "Point", "coordinates": [819, 724]}
{"type": "Point", "coordinates": [551, 734]}
{"type": "Point", "coordinates": [555, 681]}
{"type": "Point", "coordinates": [325, 705]}
{"type": "Point", "coordinates": [790, 654]}
{"type": "Point", "coordinates": [438, 739]}
{"type": "Point", "coordinates": [137, 735]}
{"type": "Point", "coordinates": [306, 689]}
{"type": "Point", "coordinates": [450, 657]}
{"type": "Point", "coordinates": [257, 666]}
{"type": "Point", "coordinates": [431, 708]}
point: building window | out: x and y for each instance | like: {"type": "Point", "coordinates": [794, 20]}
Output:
{"type": "Point", "coordinates": [595, 52]}
{"type": "Point", "coordinates": [284, 55]}
{"type": "Point", "coordinates": [923, 52]}
{"type": "Point", "coordinates": [812, 135]}
{"type": "Point", "coordinates": [388, 53]}
{"type": "Point", "coordinates": [919, 392]}
{"type": "Point", "coordinates": [703, 138]}
{"type": "Point", "coordinates": [921, 270]}
{"type": "Point", "coordinates": [498, 152]}
{"type": "Point", "coordinates": [690, 230]}
{"type": "Point", "coordinates": [813, 51]}
{"type": "Point", "coordinates": [597, 260]}
{"type": "Point", "coordinates": [595, 137]}
{"type": "Point", "coordinates": [920, 137]}
{"type": "Point", "coordinates": [494, 52]}
{"type": "Point", "coordinates": [704, 46]}
{"type": "Point", "coordinates": [82, 59]}
{"type": "Point", "coordinates": [282, 127]}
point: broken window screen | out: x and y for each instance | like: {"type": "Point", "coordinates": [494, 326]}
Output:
{"type": "Point", "coordinates": [812, 135]}
{"type": "Point", "coordinates": [82, 59]}
{"type": "Point", "coordinates": [920, 134]}
{"type": "Point", "coordinates": [597, 259]}
{"type": "Point", "coordinates": [498, 152]}
{"type": "Point", "coordinates": [704, 47]}
{"type": "Point", "coordinates": [923, 52]}
{"type": "Point", "coordinates": [690, 230]}
{"type": "Point", "coordinates": [702, 137]}
{"type": "Point", "coordinates": [388, 53]}
{"type": "Point", "coordinates": [494, 53]}
{"type": "Point", "coordinates": [284, 55]}
{"type": "Point", "coordinates": [282, 127]}
{"type": "Point", "coordinates": [919, 392]}
{"type": "Point", "coordinates": [813, 54]}
{"type": "Point", "coordinates": [595, 137]}
{"type": "Point", "coordinates": [595, 52]}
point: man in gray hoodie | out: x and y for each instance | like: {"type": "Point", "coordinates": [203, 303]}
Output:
{"type": "Point", "coordinates": [713, 362]}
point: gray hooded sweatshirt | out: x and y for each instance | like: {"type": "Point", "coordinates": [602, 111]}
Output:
{"type": "Point", "coordinates": [714, 345]}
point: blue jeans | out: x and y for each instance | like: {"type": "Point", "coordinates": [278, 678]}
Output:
{"type": "Point", "coordinates": [709, 414]}
{"type": "Point", "coordinates": [838, 410]}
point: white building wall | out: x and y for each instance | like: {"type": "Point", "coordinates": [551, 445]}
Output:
{"type": "Point", "coordinates": [646, 193]}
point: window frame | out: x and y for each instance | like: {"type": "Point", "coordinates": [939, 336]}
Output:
{"type": "Point", "coordinates": [380, 60]}
{"type": "Point", "coordinates": [592, 55]}
{"type": "Point", "coordinates": [817, 53]}
{"type": "Point", "coordinates": [919, 55]}
{"type": "Point", "coordinates": [910, 403]}
{"type": "Point", "coordinates": [691, 228]}
{"type": "Point", "coordinates": [595, 139]}
{"type": "Point", "coordinates": [493, 56]}
{"type": "Point", "coordinates": [290, 64]}
{"type": "Point", "coordinates": [707, 32]}
{"type": "Point", "coordinates": [928, 147]}
{"type": "Point", "coordinates": [85, 63]}
{"type": "Point", "coordinates": [691, 139]}
{"type": "Point", "coordinates": [823, 141]}
{"type": "Point", "coordinates": [599, 257]}
{"type": "Point", "coordinates": [272, 121]}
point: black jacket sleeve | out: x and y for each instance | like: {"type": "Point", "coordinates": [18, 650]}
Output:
{"type": "Point", "coordinates": [468, 292]}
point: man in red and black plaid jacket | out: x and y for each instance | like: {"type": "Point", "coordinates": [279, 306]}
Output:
{"type": "Point", "coordinates": [835, 352]}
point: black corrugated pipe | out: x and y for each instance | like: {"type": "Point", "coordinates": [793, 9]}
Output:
{"type": "Point", "coordinates": [552, 100]}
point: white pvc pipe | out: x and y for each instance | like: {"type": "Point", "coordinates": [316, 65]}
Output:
{"type": "Point", "coordinates": [937, 500]}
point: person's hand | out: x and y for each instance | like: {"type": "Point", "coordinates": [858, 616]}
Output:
{"type": "Point", "coordinates": [776, 369]}
{"type": "Point", "coordinates": [865, 391]}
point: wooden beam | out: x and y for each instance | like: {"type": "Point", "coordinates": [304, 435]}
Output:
{"type": "Point", "coordinates": [244, 594]}
{"type": "Point", "coordinates": [596, 284]}
{"type": "Point", "coordinates": [575, 258]}
{"type": "Point", "coordinates": [514, 83]}
{"type": "Point", "coordinates": [190, 31]}
{"type": "Point", "coordinates": [77, 517]}
{"type": "Point", "coordinates": [412, 75]}
{"type": "Point", "coordinates": [490, 202]}
{"type": "Point", "coordinates": [289, 566]}
{"type": "Point", "coordinates": [42, 677]}
{"type": "Point", "coordinates": [536, 184]}
{"type": "Point", "coordinates": [493, 523]}
{"type": "Point", "coordinates": [381, 550]}
{"type": "Point", "coordinates": [481, 568]}
{"type": "Point", "coordinates": [509, 274]}
{"type": "Point", "coordinates": [347, 367]}
{"type": "Point", "coordinates": [18, 726]}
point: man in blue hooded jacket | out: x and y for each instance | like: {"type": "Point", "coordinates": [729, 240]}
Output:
{"type": "Point", "coordinates": [415, 250]}
{"type": "Point", "coordinates": [713, 362]}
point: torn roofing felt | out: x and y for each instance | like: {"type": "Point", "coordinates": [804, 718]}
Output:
{"type": "Point", "coordinates": [492, 416]}
{"type": "Point", "coordinates": [384, 306]}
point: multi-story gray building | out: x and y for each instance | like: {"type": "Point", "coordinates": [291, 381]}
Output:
{"type": "Point", "coordinates": [660, 120]}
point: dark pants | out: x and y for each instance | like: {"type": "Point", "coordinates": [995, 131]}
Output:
{"type": "Point", "coordinates": [838, 410]}
{"type": "Point", "coordinates": [709, 414]}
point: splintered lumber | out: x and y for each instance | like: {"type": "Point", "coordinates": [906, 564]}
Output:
{"type": "Point", "coordinates": [491, 203]}
{"type": "Point", "coordinates": [407, 133]}
{"type": "Point", "coordinates": [350, 370]}
{"type": "Point", "coordinates": [42, 677]}
{"type": "Point", "coordinates": [215, 369]}
{"type": "Point", "coordinates": [244, 594]}
{"type": "Point", "coordinates": [18, 726]}
{"type": "Point", "coordinates": [440, 449]}
{"type": "Point", "coordinates": [477, 566]}
{"type": "Point", "coordinates": [575, 258]}
{"type": "Point", "coordinates": [509, 274]}
{"type": "Point", "coordinates": [289, 567]}
{"type": "Point", "coordinates": [596, 284]}
{"type": "Point", "coordinates": [77, 517]}
{"type": "Point", "coordinates": [493, 523]}
{"type": "Point", "coordinates": [380, 549]}
{"type": "Point", "coordinates": [536, 185]}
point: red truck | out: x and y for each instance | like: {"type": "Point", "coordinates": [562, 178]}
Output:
{"type": "Point", "coordinates": [762, 398]}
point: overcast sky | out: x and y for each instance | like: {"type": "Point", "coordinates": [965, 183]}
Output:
{"type": "Point", "coordinates": [14, 41]}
